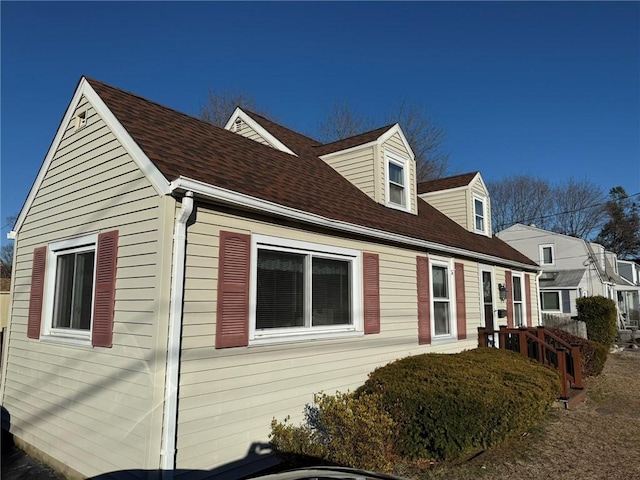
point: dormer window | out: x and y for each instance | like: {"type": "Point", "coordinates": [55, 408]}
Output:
{"type": "Point", "coordinates": [479, 215]}
{"type": "Point", "coordinates": [547, 254]}
{"type": "Point", "coordinates": [397, 180]}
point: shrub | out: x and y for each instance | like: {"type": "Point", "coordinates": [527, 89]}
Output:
{"type": "Point", "coordinates": [340, 429]}
{"type": "Point", "coordinates": [599, 314]}
{"type": "Point", "coordinates": [592, 354]}
{"type": "Point", "coordinates": [449, 405]}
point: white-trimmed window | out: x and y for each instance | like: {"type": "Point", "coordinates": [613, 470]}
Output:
{"type": "Point", "coordinates": [301, 289]}
{"type": "Point", "coordinates": [550, 301]}
{"type": "Point", "coordinates": [519, 315]}
{"type": "Point", "coordinates": [397, 185]}
{"type": "Point", "coordinates": [442, 299]}
{"type": "Point", "coordinates": [547, 254]}
{"type": "Point", "coordinates": [70, 279]}
{"type": "Point", "coordinates": [479, 215]}
{"type": "Point", "coordinates": [82, 118]}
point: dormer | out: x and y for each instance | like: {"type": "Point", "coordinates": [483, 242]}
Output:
{"type": "Point", "coordinates": [463, 198]}
{"type": "Point", "coordinates": [380, 163]}
{"type": "Point", "coordinates": [243, 124]}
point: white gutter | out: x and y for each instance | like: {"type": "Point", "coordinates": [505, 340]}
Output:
{"type": "Point", "coordinates": [229, 197]}
{"type": "Point", "coordinates": [168, 452]}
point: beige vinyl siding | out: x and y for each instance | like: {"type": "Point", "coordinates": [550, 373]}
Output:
{"type": "Point", "coordinates": [453, 203]}
{"type": "Point", "coordinates": [357, 167]}
{"type": "Point", "coordinates": [229, 396]}
{"type": "Point", "coordinates": [395, 144]}
{"type": "Point", "coordinates": [246, 131]}
{"type": "Point", "coordinates": [99, 401]}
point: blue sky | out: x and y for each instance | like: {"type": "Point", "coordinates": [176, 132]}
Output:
{"type": "Point", "coordinates": [550, 88]}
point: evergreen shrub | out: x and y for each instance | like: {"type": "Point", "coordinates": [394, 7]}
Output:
{"type": "Point", "coordinates": [599, 313]}
{"type": "Point", "coordinates": [446, 406]}
{"type": "Point", "coordinates": [592, 354]}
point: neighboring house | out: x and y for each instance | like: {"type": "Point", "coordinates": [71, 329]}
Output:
{"type": "Point", "coordinates": [571, 267]}
{"type": "Point", "coordinates": [178, 285]}
{"type": "Point", "coordinates": [5, 286]}
{"type": "Point", "coordinates": [628, 295]}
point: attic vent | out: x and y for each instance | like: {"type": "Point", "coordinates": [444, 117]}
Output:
{"type": "Point", "coordinates": [81, 119]}
{"type": "Point", "coordinates": [237, 125]}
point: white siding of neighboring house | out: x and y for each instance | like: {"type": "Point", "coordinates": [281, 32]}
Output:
{"type": "Point", "coordinates": [356, 165]}
{"type": "Point", "coordinates": [229, 396]}
{"type": "Point", "coordinates": [93, 409]}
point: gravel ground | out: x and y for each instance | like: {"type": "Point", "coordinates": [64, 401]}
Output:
{"type": "Point", "coordinates": [596, 440]}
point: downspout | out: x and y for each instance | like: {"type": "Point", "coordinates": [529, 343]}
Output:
{"type": "Point", "coordinates": [168, 452]}
{"type": "Point", "coordinates": [538, 275]}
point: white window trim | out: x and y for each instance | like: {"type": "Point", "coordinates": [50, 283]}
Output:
{"type": "Point", "coordinates": [305, 333]}
{"type": "Point", "coordinates": [82, 119]}
{"type": "Point", "coordinates": [523, 292]}
{"type": "Point", "coordinates": [71, 336]}
{"type": "Point", "coordinates": [484, 214]}
{"type": "Point", "coordinates": [393, 157]}
{"type": "Point", "coordinates": [453, 324]}
{"type": "Point", "coordinates": [541, 253]}
{"type": "Point", "coordinates": [557, 292]}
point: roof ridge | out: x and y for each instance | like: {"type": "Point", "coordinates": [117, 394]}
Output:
{"type": "Point", "coordinates": [361, 134]}
{"type": "Point", "coordinates": [262, 117]}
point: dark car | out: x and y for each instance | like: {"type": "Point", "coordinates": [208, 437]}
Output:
{"type": "Point", "coordinates": [322, 473]}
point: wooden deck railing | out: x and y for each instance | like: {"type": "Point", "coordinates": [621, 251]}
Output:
{"type": "Point", "coordinates": [543, 346]}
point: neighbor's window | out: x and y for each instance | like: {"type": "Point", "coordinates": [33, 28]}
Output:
{"type": "Point", "coordinates": [70, 287]}
{"type": "Point", "coordinates": [547, 255]}
{"type": "Point", "coordinates": [299, 289]}
{"type": "Point", "coordinates": [397, 180]}
{"type": "Point", "coordinates": [550, 301]}
{"type": "Point", "coordinates": [441, 299]}
{"type": "Point", "coordinates": [479, 214]}
{"type": "Point", "coordinates": [518, 302]}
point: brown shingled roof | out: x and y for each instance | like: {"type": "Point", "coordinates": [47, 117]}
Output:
{"type": "Point", "coordinates": [455, 181]}
{"type": "Point", "coordinates": [180, 145]}
{"type": "Point", "coordinates": [354, 141]}
{"type": "Point", "coordinates": [293, 140]}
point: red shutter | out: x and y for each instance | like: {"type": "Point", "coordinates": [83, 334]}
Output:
{"type": "Point", "coordinates": [527, 287]}
{"type": "Point", "coordinates": [105, 289]}
{"type": "Point", "coordinates": [461, 306]}
{"type": "Point", "coordinates": [424, 300]}
{"type": "Point", "coordinates": [37, 292]}
{"type": "Point", "coordinates": [232, 321]}
{"type": "Point", "coordinates": [509, 285]}
{"type": "Point", "coordinates": [371, 280]}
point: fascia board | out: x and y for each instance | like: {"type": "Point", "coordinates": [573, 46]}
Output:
{"type": "Point", "coordinates": [447, 190]}
{"type": "Point", "coordinates": [391, 132]}
{"type": "Point", "coordinates": [84, 89]}
{"type": "Point", "coordinates": [228, 197]}
{"type": "Point", "coordinates": [268, 137]}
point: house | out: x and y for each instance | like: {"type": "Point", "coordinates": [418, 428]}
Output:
{"type": "Point", "coordinates": [178, 285]}
{"type": "Point", "coordinates": [571, 267]}
{"type": "Point", "coordinates": [628, 295]}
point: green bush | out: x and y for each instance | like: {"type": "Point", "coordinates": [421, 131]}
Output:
{"type": "Point", "coordinates": [592, 354]}
{"type": "Point", "coordinates": [341, 429]}
{"type": "Point", "coordinates": [446, 406]}
{"type": "Point", "coordinates": [599, 314]}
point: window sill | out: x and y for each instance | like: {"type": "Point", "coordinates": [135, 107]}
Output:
{"type": "Point", "coordinates": [443, 340]}
{"type": "Point", "coordinates": [303, 337]}
{"type": "Point", "coordinates": [65, 340]}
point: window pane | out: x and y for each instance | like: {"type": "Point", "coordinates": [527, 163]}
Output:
{"type": "Point", "coordinates": [486, 287]}
{"type": "Point", "coordinates": [396, 174]}
{"type": "Point", "coordinates": [396, 194]}
{"type": "Point", "coordinates": [441, 318]}
{"type": "Point", "coordinates": [74, 291]}
{"type": "Point", "coordinates": [280, 290]}
{"type": "Point", "coordinates": [517, 314]}
{"type": "Point", "coordinates": [331, 299]}
{"type": "Point", "coordinates": [547, 255]}
{"type": "Point", "coordinates": [517, 289]}
{"type": "Point", "coordinates": [440, 282]}
{"type": "Point", "coordinates": [479, 214]}
{"type": "Point", "coordinates": [550, 300]}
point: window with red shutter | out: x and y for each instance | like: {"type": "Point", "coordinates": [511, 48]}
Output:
{"type": "Point", "coordinates": [37, 292]}
{"type": "Point", "coordinates": [105, 283]}
{"type": "Point", "coordinates": [371, 279]}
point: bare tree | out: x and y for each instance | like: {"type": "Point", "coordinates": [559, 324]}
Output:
{"type": "Point", "coordinates": [520, 199]}
{"type": "Point", "coordinates": [6, 260]}
{"type": "Point", "coordinates": [424, 136]}
{"type": "Point", "coordinates": [621, 232]}
{"type": "Point", "coordinates": [220, 104]}
{"type": "Point", "coordinates": [578, 208]}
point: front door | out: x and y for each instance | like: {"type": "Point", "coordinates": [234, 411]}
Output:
{"type": "Point", "coordinates": [487, 302]}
